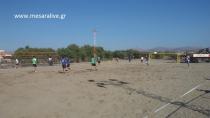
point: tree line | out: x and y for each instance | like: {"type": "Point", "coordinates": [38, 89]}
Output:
{"type": "Point", "coordinates": [76, 53]}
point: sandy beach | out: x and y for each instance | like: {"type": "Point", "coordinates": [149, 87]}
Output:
{"type": "Point", "coordinates": [115, 90]}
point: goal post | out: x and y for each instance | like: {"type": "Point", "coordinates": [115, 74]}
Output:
{"type": "Point", "coordinates": [166, 56]}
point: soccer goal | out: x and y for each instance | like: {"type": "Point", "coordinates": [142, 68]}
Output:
{"type": "Point", "coordinates": [166, 56]}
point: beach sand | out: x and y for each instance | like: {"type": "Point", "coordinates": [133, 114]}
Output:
{"type": "Point", "coordinates": [115, 90]}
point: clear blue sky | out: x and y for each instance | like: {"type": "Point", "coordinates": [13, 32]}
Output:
{"type": "Point", "coordinates": [121, 24]}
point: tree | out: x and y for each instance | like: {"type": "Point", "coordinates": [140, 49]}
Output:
{"type": "Point", "coordinates": [120, 54]}
{"type": "Point", "coordinates": [74, 52]}
{"type": "Point", "coordinates": [108, 55]}
{"type": "Point", "coordinates": [100, 51]}
{"type": "Point", "coordinates": [27, 47]}
{"type": "Point", "coordinates": [86, 52]}
{"type": "Point", "coordinates": [62, 52]}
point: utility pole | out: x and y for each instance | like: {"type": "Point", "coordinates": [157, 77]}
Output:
{"type": "Point", "coordinates": [94, 43]}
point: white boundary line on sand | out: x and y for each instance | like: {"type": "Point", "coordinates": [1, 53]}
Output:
{"type": "Point", "coordinates": [190, 90]}
{"type": "Point", "coordinates": [164, 106]}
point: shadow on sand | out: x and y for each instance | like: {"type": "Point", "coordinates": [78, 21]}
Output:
{"type": "Point", "coordinates": [123, 85]}
{"type": "Point", "coordinates": [197, 108]}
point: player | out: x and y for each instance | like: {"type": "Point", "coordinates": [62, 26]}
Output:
{"type": "Point", "coordinates": [34, 63]}
{"type": "Point", "coordinates": [99, 60]}
{"type": "Point", "coordinates": [63, 63]}
{"type": "Point", "coordinates": [16, 63]}
{"type": "Point", "coordinates": [93, 62]}
{"type": "Point", "coordinates": [188, 60]}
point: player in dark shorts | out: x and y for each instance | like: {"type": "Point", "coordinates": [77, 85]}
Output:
{"type": "Point", "coordinates": [16, 63]}
{"type": "Point", "coordinates": [68, 61]}
{"type": "Point", "coordinates": [34, 63]}
{"type": "Point", "coordinates": [99, 60]}
{"type": "Point", "coordinates": [63, 63]}
{"type": "Point", "coordinates": [129, 58]}
{"type": "Point", "coordinates": [50, 61]}
{"type": "Point", "coordinates": [93, 62]}
{"type": "Point", "coordinates": [188, 60]}
{"type": "Point", "coordinates": [142, 59]}
{"type": "Point", "coordinates": [147, 60]}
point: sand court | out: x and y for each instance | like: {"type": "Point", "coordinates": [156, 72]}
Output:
{"type": "Point", "coordinates": [115, 90]}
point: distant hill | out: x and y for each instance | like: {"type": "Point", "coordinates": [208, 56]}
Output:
{"type": "Point", "coordinates": [179, 49]}
{"type": "Point", "coordinates": [140, 49]}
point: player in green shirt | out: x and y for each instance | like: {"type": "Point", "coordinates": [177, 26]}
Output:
{"type": "Point", "coordinates": [34, 63]}
{"type": "Point", "coordinates": [93, 62]}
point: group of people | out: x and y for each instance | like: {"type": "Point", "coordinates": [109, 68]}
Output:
{"type": "Point", "coordinates": [34, 63]}
{"type": "Point", "coordinates": [65, 62]}
{"type": "Point", "coordinates": [146, 60]}
{"type": "Point", "coordinates": [143, 59]}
